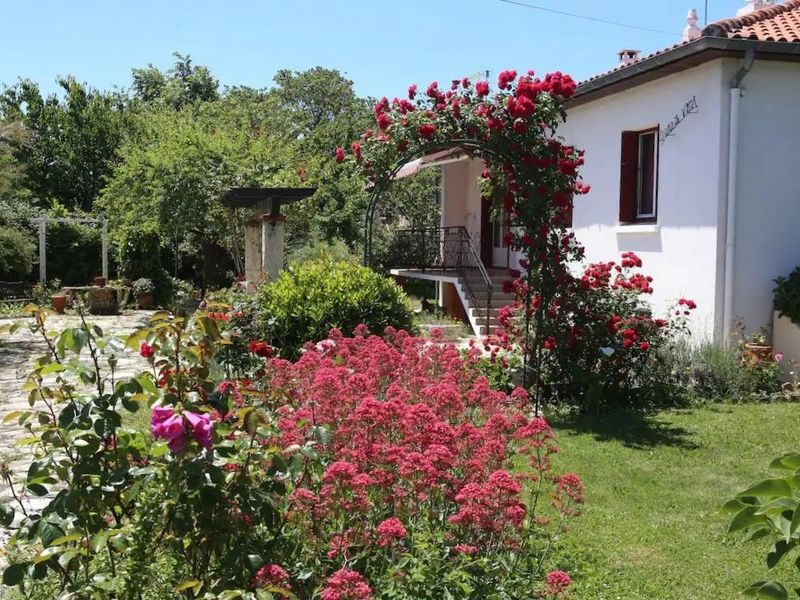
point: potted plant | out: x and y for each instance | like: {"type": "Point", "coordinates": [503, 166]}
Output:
{"type": "Point", "coordinates": [99, 281]}
{"type": "Point", "coordinates": [757, 348]}
{"type": "Point", "coordinates": [143, 289]}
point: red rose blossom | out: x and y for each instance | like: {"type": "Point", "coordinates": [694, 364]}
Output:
{"type": "Point", "coordinates": [146, 350]}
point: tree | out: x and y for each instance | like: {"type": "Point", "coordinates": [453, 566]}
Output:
{"type": "Point", "coordinates": [171, 177]}
{"type": "Point", "coordinates": [72, 140]}
{"type": "Point", "coordinates": [183, 84]}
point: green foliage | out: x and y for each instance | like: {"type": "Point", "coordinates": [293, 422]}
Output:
{"type": "Point", "coordinates": [309, 300]}
{"type": "Point", "coordinates": [74, 252]}
{"type": "Point", "coordinates": [140, 255]}
{"type": "Point", "coordinates": [72, 140]}
{"type": "Point", "coordinates": [787, 296]}
{"type": "Point", "coordinates": [335, 250]}
{"type": "Point", "coordinates": [771, 508]}
{"type": "Point", "coordinates": [16, 254]}
{"type": "Point", "coordinates": [183, 84]}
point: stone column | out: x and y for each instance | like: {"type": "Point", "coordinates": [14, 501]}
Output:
{"type": "Point", "coordinates": [253, 258]}
{"type": "Point", "coordinates": [272, 231]}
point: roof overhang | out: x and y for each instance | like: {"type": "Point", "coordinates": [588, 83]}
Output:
{"type": "Point", "coordinates": [252, 197]}
{"type": "Point", "coordinates": [678, 59]}
{"type": "Point", "coordinates": [434, 159]}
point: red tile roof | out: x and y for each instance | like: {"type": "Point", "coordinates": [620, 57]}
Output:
{"type": "Point", "coordinates": [777, 23]}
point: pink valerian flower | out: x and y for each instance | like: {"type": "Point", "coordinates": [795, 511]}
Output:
{"type": "Point", "coordinates": [482, 88]}
{"type": "Point", "coordinates": [346, 584]}
{"type": "Point", "coordinates": [465, 549]}
{"type": "Point", "coordinates": [568, 494]}
{"type": "Point", "coordinates": [262, 349]}
{"type": "Point", "coordinates": [427, 130]}
{"type": "Point", "coordinates": [389, 531]}
{"type": "Point", "coordinates": [557, 583]}
{"type": "Point", "coordinates": [272, 575]}
{"type": "Point", "coordinates": [146, 350]}
{"type": "Point", "coordinates": [339, 155]}
{"type": "Point", "coordinates": [356, 148]}
{"type": "Point", "coordinates": [412, 91]}
{"type": "Point", "coordinates": [778, 357]}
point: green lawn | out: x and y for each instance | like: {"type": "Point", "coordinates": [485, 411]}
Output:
{"type": "Point", "coordinates": [651, 527]}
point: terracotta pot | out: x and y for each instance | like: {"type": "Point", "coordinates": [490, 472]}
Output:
{"type": "Point", "coordinates": [100, 281]}
{"type": "Point", "coordinates": [755, 354]}
{"type": "Point", "coordinates": [145, 301]}
{"type": "Point", "coordinates": [59, 302]}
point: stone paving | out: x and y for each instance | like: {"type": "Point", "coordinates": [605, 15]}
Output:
{"type": "Point", "coordinates": [17, 355]}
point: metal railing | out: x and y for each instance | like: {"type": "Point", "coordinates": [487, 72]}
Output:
{"type": "Point", "coordinates": [445, 249]}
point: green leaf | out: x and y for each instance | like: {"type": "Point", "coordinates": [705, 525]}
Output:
{"type": "Point", "coordinates": [254, 562]}
{"type": "Point", "coordinates": [6, 514]}
{"type": "Point", "coordinates": [777, 552]}
{"type": "Point", "coordinates": [14, 574]}
{"type": "Point", "coordinates": [744, 519]}
{"type": "Point", "coordinates": [37, 489]}
{"type": "Point", "coordinates": [192, 583]}
{"type": "Point", "coordinates": [47, 553]}
{"type": "Point", "coordinates": [99, 541]}
{"type": "Point", "coordinates": [771, 590]}
{"type": "Point", "coordinates": [48, 533]}
{"type": "Point", "coordinates": [787, 462]}
{"type": "Point", "coordinates": [769, 488]}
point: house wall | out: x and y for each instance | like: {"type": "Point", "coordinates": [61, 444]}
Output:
{"type": "Point", "coordinates": [682, 250]}
{"type": "Point", "coordinates": [768, 199]}
{"type": "Point", "coordinates": [461, 201]}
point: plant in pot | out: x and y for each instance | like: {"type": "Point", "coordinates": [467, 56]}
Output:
{"type": "Point", "coordinates": [49, 293]}
{"type": "Point", "coordinates": [757, 347]}
{"type": "Point", "coordinates": [144, 289]}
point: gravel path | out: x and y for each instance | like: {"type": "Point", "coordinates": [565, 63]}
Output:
{"type": "Point", "coordinates": [17, 355]}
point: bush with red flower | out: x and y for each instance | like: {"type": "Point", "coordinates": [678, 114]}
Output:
{"type": "Point", "coordinates": [608, 347]}
{"type": "Point", "coordinates": [370, 467]}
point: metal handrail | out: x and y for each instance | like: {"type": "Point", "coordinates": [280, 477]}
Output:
{"type": "Point", "coordinates": [434, 248]}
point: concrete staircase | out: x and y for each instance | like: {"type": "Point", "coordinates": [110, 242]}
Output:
{"type": "Point", "coordinates": [476, 312]}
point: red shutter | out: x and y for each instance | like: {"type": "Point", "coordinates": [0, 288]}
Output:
{"type": "Point", "coordinates": [627, 179]}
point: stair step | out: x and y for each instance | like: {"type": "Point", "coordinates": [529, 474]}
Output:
{"type": "Point", "coordinates": [497, 296]}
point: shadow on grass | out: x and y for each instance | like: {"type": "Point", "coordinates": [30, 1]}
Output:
{"type": "Point", "coordinates": [633, 429]}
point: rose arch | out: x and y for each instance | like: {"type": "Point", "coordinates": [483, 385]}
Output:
{"type": "Point", "coordinates": [529, 174]}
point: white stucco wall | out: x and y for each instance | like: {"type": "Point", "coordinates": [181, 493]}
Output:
{"type": "Point", "coordinates": [461, 201]}
{"type": "Point", "coordinates": [768, 207]}
{"type": "Point", "coordinates": [681, 252]}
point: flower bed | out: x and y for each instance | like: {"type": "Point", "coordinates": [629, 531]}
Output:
{"type": "Point", "coordinates": [371, 467]}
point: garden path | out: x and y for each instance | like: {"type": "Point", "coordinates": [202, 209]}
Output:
{"type": "Point", "coordinates": [17, 355]}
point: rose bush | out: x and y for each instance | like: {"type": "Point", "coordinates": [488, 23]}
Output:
{"type": "Point", "coordinates": [368, 468]}
{"type": "Point", "coordinates": [531, 176]}
{"type": "Point", "coordinates": [606, 346]}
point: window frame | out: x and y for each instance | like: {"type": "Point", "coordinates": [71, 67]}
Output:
{"type": "Point", "coordinates": [632, 173]}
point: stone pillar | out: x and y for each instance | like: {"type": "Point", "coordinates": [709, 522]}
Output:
{"type": "Point", "coordinates": [272, 231]}
{"type": "Point", "coordinates": [253, 258]}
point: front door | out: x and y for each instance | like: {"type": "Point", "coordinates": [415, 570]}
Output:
{"type": "Point", "coordinates": [500, 250]}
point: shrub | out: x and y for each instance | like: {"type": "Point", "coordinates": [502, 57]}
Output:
{"type": "Point", "coordinates": [369, 468]}
{"type": "Point", "coordinates": [142, 286]}
{"type": "Point", "coordinates": [608, 347]}
{"type": "Point", "coordinates": [787, 296]}
{"type": "Point", "coordinates": [140, 256]}
{"type": "Point", "coordinates": [16, 254]}
{"type": "Point", "coordinates": [307, 301]}
{"type": "Point", "coordinates": [74, 252]}
{"type": "Point", "coordinates": [771, 509]}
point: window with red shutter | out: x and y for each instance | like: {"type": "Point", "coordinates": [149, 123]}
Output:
{"type": "Point", "coordinates": [638, 183]}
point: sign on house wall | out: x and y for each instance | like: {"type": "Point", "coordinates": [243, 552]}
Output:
{"type": "Point", "coordinates": [689, 108]}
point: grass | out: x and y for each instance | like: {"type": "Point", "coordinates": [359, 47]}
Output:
{"type": "Point", "coordinates": [651, 527]}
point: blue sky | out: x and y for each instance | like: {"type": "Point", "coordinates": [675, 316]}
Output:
{"type": "Point", "coordinates": [382, 46]}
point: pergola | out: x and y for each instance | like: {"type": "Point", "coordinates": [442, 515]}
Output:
{"type": "Point", "coordinates": [264, 227]}
{"type": "Point", "coordinates": [42, 222]}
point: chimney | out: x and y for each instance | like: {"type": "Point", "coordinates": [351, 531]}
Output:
{"type": "Point", "coordinates": [691, 31]}
{"type": "Point", "coordinates": [628, 57]}
{"type": "Point", "coordinates": [753, 5]}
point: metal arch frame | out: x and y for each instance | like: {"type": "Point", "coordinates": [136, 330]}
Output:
{"type": "Point", "coordinates": [479, 150]}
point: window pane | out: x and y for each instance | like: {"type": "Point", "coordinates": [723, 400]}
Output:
{"type": "Point", "coordinates": [647, 172]}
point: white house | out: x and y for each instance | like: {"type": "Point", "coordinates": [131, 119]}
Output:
{"type": "Point", "coordinates": [690, 154]}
